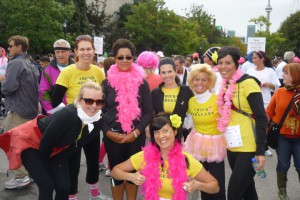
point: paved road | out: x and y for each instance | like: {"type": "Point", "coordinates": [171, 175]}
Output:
{"type": "Point", "coordinates": [267, 189]}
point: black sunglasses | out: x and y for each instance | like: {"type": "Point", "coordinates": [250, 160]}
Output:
{"type": "Point", "coordinates": [89, 101]}
{"type": "Point", "coordinates": [10, 46]}
{"type": "Point", "coordinates": [124, 57]}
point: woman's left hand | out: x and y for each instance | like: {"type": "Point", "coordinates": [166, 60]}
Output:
{"type": "Point", "coordinates": [130, 137]}
{"type": "Point", "coordinates": [190, 186]}
{"type": "Point", "coordinates": [261, 160]}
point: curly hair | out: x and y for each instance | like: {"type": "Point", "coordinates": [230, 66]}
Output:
{"type": "Point", "coordinates": [123, 43]}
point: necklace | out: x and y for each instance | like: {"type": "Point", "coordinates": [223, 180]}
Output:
{"type": "Point", "coordinates": [176, 172]}
{"type": "Point", "coordinates": [224, 100]}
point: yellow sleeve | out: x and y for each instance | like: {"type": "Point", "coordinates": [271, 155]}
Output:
{"type": "Point", "coordinates": [194, 165]}
{"type": "Point", "coordinates": [63, 78]}
{"type": "Point", "coordinates": [137, 160]}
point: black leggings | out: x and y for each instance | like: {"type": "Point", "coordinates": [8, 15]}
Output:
{"type": "Point", "coordinates": [241, 183]}
{"type": "Point", "coordinates": [91, 151]}
{"type": "Point", "coordinates": [217, 170]}
{"type": "Point", "coordinates": [47, 176]}
{"type": "Point", "coordinates": [118, 153]}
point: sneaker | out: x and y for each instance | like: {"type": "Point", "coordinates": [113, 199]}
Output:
{"type": "Point", "coordinates": [102, 166]}
{"type": "Point", "coordinates": [17, 183]}
{"type": "Point", "coordinates": [268, 153]}
{"type": "Point", "coordinates": [101, 196]}
{"type": "Point", "coordinates": [107, 173]}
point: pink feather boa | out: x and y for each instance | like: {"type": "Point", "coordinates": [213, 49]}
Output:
{"type": "Point", "coordinates": [177, 172]}
{"type": "Point", "coordinates": [225, 100]}
{"type": "Point", "coordinates": [127, 86]}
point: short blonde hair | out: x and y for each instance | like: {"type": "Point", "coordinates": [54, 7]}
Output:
{"type": "Point", "coordinates": [87, 85]}
{"type": "Point", "coordinates": [203, 68]}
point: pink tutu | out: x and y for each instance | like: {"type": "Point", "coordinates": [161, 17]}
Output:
{"type": "Point", "coordinates": [210, 148]}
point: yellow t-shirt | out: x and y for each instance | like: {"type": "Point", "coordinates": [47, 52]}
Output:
{"type": "Point", "coordinates": [170, 98]}
{"type": "Point", "coordinates": [204, 115]}
{"type": "Point", "coordinates": [72, 78]}
{"type": "Point", "coordinates": [167, 191]}
{"type": "Point", "coordinates": [245, 88]}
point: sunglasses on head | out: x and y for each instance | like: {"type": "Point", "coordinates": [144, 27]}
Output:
{"type": "Point", "coordinates": [89, 101]}
{"type": "Point", "coordinates": [124, 57]}
{"type": "Point", "coordinates": [84, 37]}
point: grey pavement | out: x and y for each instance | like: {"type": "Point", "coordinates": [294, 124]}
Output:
{"type": "Point", "coordinates": [266, 189]}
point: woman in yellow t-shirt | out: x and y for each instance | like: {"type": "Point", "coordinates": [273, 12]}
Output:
{"type": "Point", "coordinates": [171, 96]}
{"type": "Point", "coordinates": [205, 142]}
{"type": "Point", "coordinates": [69, 83]}
{"type": "Point", "coordinates": [163, 170]}
{"type": "Point", "coordinates": [243, 121]}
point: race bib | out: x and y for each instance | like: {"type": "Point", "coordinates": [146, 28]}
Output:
{"type": "Point", "coordinates": [233, 136]}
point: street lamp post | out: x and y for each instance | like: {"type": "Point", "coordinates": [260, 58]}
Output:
{"type": "Point", "coordinates": [65, 29]}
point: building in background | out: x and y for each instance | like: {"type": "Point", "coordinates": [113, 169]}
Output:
{"type": "Point", "coordinates": [230, 33]}
{"type": "Point", "coordinates": [250, 31]}
{"type": "Point", "coordinates": [112, 5]}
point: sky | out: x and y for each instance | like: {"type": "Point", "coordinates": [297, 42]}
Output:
{"type": "Point", "coordinates": [235, 14]}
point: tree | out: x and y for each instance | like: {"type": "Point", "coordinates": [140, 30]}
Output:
{"type": "Point", "coordinates": [290, 28]}
{"type": "Point", "coordinates": [153, 27]}
{"type": "Point", "coordinates": [261, 22]}
{"type": "Point", "coordinates": [100, 22]}
{"type": "Point", "coordinates": [206, 22]}
{"type": "Point", "coordinates": [79, 24]}
{"type": "Point", "coordinates": [40, 20]}
{"type": "Point", "coordinates": [273, 40]}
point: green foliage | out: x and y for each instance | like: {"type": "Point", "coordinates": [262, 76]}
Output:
{"type": "Point", "coordinates": [39, 20]}
{"type": "Point", "coordinates": [261, 22]}
{"type": "Point", "coordinates": [273, 42]}
{"type": "Point", "coordinates": [79, 25]}
{"type": "Point", "coordinates": [100, 22]}
{"type": "Point", "coordinates": [290, 29]}
{"type": "Point", "coordinates": [152, 27]}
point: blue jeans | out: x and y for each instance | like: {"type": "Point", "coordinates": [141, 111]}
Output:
{"type": "Point", "coordinates": [285, 149]}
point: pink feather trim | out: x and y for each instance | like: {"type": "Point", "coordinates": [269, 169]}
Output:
{"type": "Point", "coordinates": [224, 100]}
{"type": "Point", "coordinates": [127, 86]}
{"type": "Point", "coordinates": [177, 172]}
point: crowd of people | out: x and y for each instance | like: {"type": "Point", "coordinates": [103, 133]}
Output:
{"type": "Point", "coordinates": [167, 123]}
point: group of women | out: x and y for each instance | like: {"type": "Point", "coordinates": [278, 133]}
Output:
{"type": "Point", "coordinates": [231, 123]}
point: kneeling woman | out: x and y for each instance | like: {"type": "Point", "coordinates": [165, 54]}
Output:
{"type": "Point", "coordinates": [163, 170]}
{"type": "Point", "coordinates": [45, 144]}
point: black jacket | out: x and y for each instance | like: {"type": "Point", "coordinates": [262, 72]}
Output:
{"type": "Point", "coordinates": [181, 105]}
{"type": "Point", "coordinates": [110, 109]}
{"type": "Point", "coordinates": [62, 129]}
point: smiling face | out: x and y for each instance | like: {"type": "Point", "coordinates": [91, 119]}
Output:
{"type": "Point", "coordinates": [90, 109]}
{"type": "Point", "coordinates": [227, 67]}
{"type": "Point", "coordinates": [201, 83]}
{"type": "Point", "coordinates": [85, 52]}
{"type": "Point", "coordinates": [165, 137]}
{"type": "Point", "coordinates": [167, 74]}
{"type": "Point", "coordinates": [257, 60]}
{"type": "Point", "coordinates": [124, 59]}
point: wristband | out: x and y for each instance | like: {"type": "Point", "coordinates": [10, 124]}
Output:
{"type": "Point", "coordinates": [134, 133]}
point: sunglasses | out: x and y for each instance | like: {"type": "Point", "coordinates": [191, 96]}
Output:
{"type": "Point", "coordinates": [124, 57]}
{"type": "Point", "coordinates": [10, 46]}
{"type": "Point", "coordinates": [84, 37]}
{"type": "Point", "coordinates": [89, 101]}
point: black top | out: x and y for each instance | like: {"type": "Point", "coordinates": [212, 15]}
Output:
{"type": "Point", "coordinates": [62, 129]}
{"type": "Point", "coordinates": [181, 105]}
{"type": "Point", "coordinates": [110, 109]}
